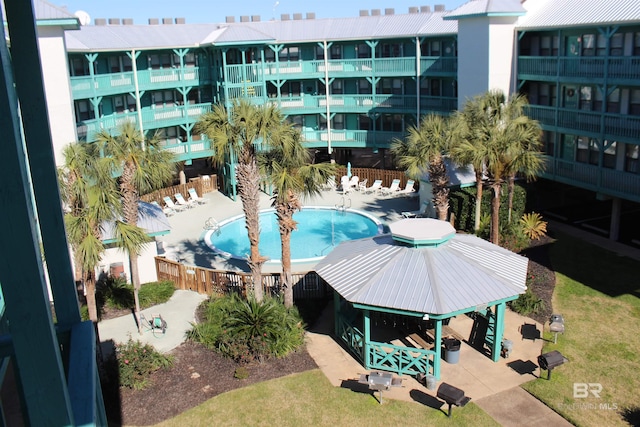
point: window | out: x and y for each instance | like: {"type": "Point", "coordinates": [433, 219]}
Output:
{"type": "Point", "coordinates": [322, 122]}
{"type": "Point", "coordinates": [597, 100]}
{"type": "Point", "coordinates": [424, 87]}
{"type": "Point", "coordinates": [549, 140]}
{"type": "Point", "coordinates": [291, 89]}
{"type": "Point", "coordinates": [291, 53]}
{"type": "Point", "coordinates": [319, 52]}
{"type": "Point", "coordinates": [617, 45]}
{"type": "Point", "coordinates": [434, 48]}
{"type": "Point", "coordinates": [269, 55]}
{"type": "Point", "coordinates": [364, 122]}
{"type": "Point", "coordinates": [122, 104]}
{"type": "Point", "coordinates": [609, 159]}
{"type": "Point", "coordinates": [601, 44]}
{"type": "Point", "coordinates": [636, 44]}
{"type": "Point", "coordinates": [631, 158]}
{"type": "Point", "coordinates": [84, 111]}
{"type": "Point", "coordinates": [154, 62]}
{"type": "Point", "coordinates": [585, 98]}
{"type": "Point", "coordinates": [80, 66]}
{"type": "Point", "coordinates": [126, 63]}
{"type": "Point", "coordinates": [545, 46]}
{"type": "Point", "coordinates": [587, 150]}
{"type": "Point", "coordinates": [335, 52]}
{"type": "Point", "coordinates": [613, 102]}
{"type": "Point", "coordinates": [588, 45]}
{"type": "Point", "coordinates": [163, 98]}
{"type": "Point", "coordinates": [435, 87]}
{"type": "Point", "coordinates": [337, 122]}
{"type": "Point", "coordinates": [390, 50]}
{"type": "Point", "coordinates": [336, 87]}
{"type": "Point", "coordinates": [364, 50]}
{"type": "Point", "coordinates": [190, 60]}
{"type": "Point", "coordinates": [634, 102]}
{"type": "Point", "coordinates": [296, 120]}
{"type": "Point", "coordinates": [114, 64]}
{"type": "Point", "coordinates": [364, 87]}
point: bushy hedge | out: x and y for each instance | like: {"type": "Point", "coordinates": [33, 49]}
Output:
{"type": "Point", "coordinates": [462, 204]}
{"type": "Point", "coordinates": [245, 330]}
{"type": "Point", "coordinates": [136, 361]}
{"type": "Point", "coordinates": [117, 293]}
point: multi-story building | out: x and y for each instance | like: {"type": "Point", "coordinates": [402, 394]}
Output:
{"type": "Point", "coordinates": [353, 84]}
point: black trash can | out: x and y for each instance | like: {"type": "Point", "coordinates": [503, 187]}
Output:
{"type": "Point", "coordinates": [452, 350]}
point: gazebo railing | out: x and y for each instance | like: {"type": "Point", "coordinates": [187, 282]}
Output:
{"type": "Point", "coordinates": [403, 360]}
{"type": "Point", "coordinates": [352, 337]}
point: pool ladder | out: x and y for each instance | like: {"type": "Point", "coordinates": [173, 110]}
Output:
{"type": "Point", "coordinates": [344, 204]}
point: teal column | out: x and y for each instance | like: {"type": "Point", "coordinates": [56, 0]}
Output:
{"type": "Point", "coordinates": [498, 332]}
{"type": "Point", "coordinates": [437, 346]}
{"type": "Point", "coordinates": [336, 314]}
{"type": "Point", "coordinates": [367, 339]}
{"type": "Point", "coordinates": [36, 348]}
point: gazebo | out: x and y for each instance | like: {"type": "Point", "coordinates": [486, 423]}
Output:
{"type": "Point", "coordinates": [425, 272]}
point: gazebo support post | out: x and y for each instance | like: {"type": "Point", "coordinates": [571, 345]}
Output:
{"type": "Point", "coordinates": [367, 337]}
{"type": "Point", "coordinates": [336, 314]}
{"type": "Point", "coordinates": [437, 345]}
{"type": "Point", "coordinates": [498, 332]}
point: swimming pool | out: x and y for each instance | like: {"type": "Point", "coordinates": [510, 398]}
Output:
{"type": "Point", "coordinates": [320, 229]}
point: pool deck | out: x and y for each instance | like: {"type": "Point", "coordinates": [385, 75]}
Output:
{"type": "Point", "coordinates": [185, 243]}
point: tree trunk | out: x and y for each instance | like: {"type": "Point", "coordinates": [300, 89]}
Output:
{"type": "Point", "coordinates": [90, 290]}
{"type": "Point", "coordinates": [249, 188]}
{"type": "Point", "coordinates": [286, 277]}
{"type": "Point", "coordinates": [479, 183]}
{"type": "Point", "coordinates": [511, 186]}
{"type": "Point", "coordinates": [183, 177]}
{"type": "Point", "coordinates": [495, 214]}
{"type": "Point", "coordinates": [135, 280]}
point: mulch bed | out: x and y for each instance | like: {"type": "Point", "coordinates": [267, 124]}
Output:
{"type": "Point", "coordinates": [199, 374]}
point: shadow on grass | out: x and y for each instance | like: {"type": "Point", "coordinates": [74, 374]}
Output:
{"type": "Point", "coordinates": [356, 386]}
{"type": "Point", "coordinates": [631, 415]}
{"type": "Point", "coordinates": [427, 400]}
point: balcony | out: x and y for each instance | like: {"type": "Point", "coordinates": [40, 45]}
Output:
{"type": "Point", "coordinates": [624, 128]}
{"type": "Point", "coordinates": [437, 66]}
{"type": "Point", "coordinates": [349, 138]}
{"type": "Point", "coordinates": [594, 178]}
{"type": "Point", "coordinates": [152, 118]}
{"type": "Point", "coordinates": [189, 150]}
{"type": "Point", "coordinates": [84, 87]}
{"type": "Point", "coordinates": [579, 68]}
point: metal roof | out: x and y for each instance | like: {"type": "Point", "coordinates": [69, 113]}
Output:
{"type": "Point", "coordinates": [562, 13]}
{"type": "Point", "coordinates": [45, 11]}
{"type": "Point", "coordinates": [487, 8]}
{"type": "Point", "coordinates": [463, 273]}
{"type": "Point", "coordinates": [126, 37]}
{"type": "Point", "coordinates": [150, 218]}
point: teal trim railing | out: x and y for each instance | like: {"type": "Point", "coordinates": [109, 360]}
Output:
{"type": "Point", "coordinates": [580, 67]}
{"type": "Point", "coordinates": [399, 359]}
{"type": "Point", "coordinates": [436, 65]}
{"type": "Point", "coordinates": [352, 337]}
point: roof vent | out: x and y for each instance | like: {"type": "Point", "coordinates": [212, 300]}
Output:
{"type": "Point", "coordinates": [297, 16]}
{"type": "Point", "coordinates": [100, 21]}
{"type": "Point", "coordinates": [439, 8]}
{"type": "Point", "coordinates": [154, 21]}
{"type": "Point", "coordinates": [167, 21]}
{"type": "Point", "coordinates": [425, 9]}
{"type": "Point", "coordinates": [414, 9]}
{"type": "Point", "coordinates": [364, 12]}
{"type": "Point", "coordinates": [375, 12]}
{"type": "Point", "coordinates": [311, 15]}
{"type": "Point", "coordinates": [230, 19]}
{"type": "Point", "coordinates": [181, 21]}
{"type": "Point", "coordinates": [284, 17]}
{"type": "Point", "coordinates": [255, 18]}
{"type": "Point", "coordinates": [389, 11]}
{"type": "Point", "coordinates": [114, 21]}
{"type": "Point", "coordinates": [244, 18]}
{"type": "Point", "coordinates": [127, 21]}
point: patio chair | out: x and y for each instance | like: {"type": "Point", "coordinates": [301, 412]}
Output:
{"type": "Point", "coordinates": [171, 205]}
{"type": "Point", "coordinates": [182, 202]}
{"type": "Point", "coordinates": [353, 182]}
{"type": "Point", "coordinates": [166, 210]}
{"type": "Point", "coordinates": [408, 189]}
{"type": "Point", "coordinates": [344, 182]}
{"type": "Point", "coordinates": [424, 213]}
{"type": "Point", "coordinates": [362, 185]}
{"type": "Point", "coordinates": [375, 187]}
{"type": "Point", "coordinates": [393, 188]}
{"type": "Point", "coordinates": [193, 195]}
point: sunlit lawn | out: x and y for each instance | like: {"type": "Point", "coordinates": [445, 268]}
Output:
{"type": "Point", "coordinates": [598, 293]}
{"type": "Point", "coordinates": [308, 399]}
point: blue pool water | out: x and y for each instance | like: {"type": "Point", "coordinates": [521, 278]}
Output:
{"type": "Point", "coordinates": [319, 231]}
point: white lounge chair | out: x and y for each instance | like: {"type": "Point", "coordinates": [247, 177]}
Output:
{"type": "Point", "coordinates": [408, 189]}
{"type": "Point", "coordinates": [375, 187]}
{"type": "Point", "coordinates": [392, 189]}
{"type": "Point", "coordinates": [167, 210]}
{"type": "Point", "coordinates": [424, 213]}
{"type": "Point", "coordinates": [353, 182]}
{"type": "Point", "coordinates": [182, 202]}
{"type": "Point", "coordinates": [170, 204]}
{"type": "Point", "coordinates": [362, 185]}
{"type": "Point", "coordinates": [345, 185]}
{"type": "Point", "coordinates": [193, 195]}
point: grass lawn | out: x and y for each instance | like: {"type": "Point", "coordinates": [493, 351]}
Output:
{"type": "Point", "coordinates": [598, 293]}
{"type": "Point", "coordinates": [308, 399]}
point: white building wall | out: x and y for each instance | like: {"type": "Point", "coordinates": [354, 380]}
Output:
{"type": "Point", "coordinates": [146, 262]}
{"type": "Point", "coordinates": [57, 88]}
{"type": "Point", "coordinates": [485, 54]}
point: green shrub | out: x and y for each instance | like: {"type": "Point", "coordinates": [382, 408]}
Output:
{"type": "Point", "coordinates": [245, 330]}
{"type": "Point", "coordinates": [155, 293]}
{"type": "Point", "coordinates": [136, 361]}
{"type": "Point", "coordinates": [527, 303]}
{"type": "Point", "coordinates": [241, 373]}
{"type": "Point", "coordinates": [512, 237]}
{"type": "Point", "coordinates": [84, 312]}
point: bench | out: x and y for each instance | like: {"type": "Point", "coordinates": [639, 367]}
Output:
{"type": "Point", "coordinates": [421, 341]}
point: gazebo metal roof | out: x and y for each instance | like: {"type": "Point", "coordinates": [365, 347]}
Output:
{"type": "Point", "coordinates": [461, 273]}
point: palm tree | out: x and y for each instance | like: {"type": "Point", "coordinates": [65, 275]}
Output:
{"type": "Point", "coordinates": [91, 198]}
{"type": "Point", "coordinates": [143, 167]}
{"type": "Point", "coordinates": [425, 146]}
{"type": "Point", "coordinates": [237, 134]}
{"type": "Point", "coordinates": [289, 167]}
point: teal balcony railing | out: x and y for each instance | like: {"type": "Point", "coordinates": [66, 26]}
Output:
{"type": "Point", "coordinates": [619, 126]}
{"type": "Point", "coordinates": [349, 138]}
{"type": "Point", "coordinates": [438, 103]}
{"type": "Point", "coordinates": [580, 67]}
{"type": "Point", "coordinates": [591, 177]}
{"type": "Point", "coordinates": [84, 87]}
{"type": "Point", "coordinates": [152, 118]}
{"type": "Point", "coordinates": [436, 65]}
{"type": "Point", "coordinates": [189, 150]}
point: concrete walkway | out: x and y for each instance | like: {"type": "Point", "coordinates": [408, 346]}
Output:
{"type": "Point", "coordinates": [178, 312]}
